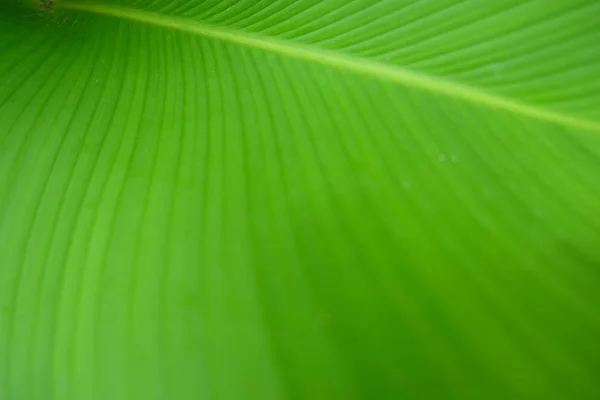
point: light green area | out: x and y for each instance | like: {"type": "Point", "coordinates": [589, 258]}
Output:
{"type": "Point", "coordinates": [300, 199]}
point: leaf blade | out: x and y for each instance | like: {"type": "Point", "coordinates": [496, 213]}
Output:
{"type": "Point", "coordinates": [296, 230]}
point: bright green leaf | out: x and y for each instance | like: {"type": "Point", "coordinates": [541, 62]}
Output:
{"type": "Point", "coordinates": [299, 199]}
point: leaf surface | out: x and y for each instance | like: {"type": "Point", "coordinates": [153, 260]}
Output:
{"type": "Point", "coordinates": [300, 199]}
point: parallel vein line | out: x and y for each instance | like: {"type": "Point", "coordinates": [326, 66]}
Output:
{"type": "Point", "coordinates": [375, 69]}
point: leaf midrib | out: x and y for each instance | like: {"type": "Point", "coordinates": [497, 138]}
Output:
{"type": "Point", "coordinates": [397, 74]}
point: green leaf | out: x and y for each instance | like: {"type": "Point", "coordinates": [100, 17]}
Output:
{"type": "Point", "coordinates": [308, 199]}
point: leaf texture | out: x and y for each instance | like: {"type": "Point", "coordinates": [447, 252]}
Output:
{"type": "Point", "coordinates": [300, 199]}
